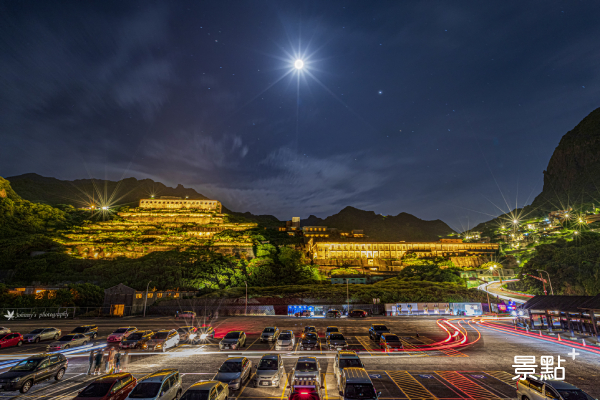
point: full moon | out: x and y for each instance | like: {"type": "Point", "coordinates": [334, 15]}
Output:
{"type": "Point", "coordinates": [299, 64]}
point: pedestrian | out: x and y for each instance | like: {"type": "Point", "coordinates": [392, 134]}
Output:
{"type": "Point", "coordinates": [91, 361]}
{"type": "Point", "coordinates": [177, 314]}
{"type": "Point", "coordinates": [118, 361]}
{"type": "Point", "coordinates": [108, 367]}
{"type": "Point", "coordinates": [98, 362]}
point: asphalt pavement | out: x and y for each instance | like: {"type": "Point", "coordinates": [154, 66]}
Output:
{"type": "Point", "coordinates": [481, 370]}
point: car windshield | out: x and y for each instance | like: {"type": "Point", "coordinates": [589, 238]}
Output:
{"type": "Point", "coordinates": [269, 330]}
{"type": "Point", "coordinates": [160, 335]}
{"type": "Point", "coordinates": [36, 331]}
{"type": "Point", "coordinates": [145, 390]}
{"type": "Point", "coordinates": [336, 336]}
{"type": "Point", "coordinates": [196, 395]}
{"type": "Point", "coordinates": [311, 336]}
{"type": "Point", "coordinates": [135, 336]}
{"type": "Point", "coordinates": [231, 367]}
{"type": "Point", "coordinates": [285, 336]}
{"type": "Point", "coordinates": [360, 391]}
{"type": "Point", "coordinates": [184, 330]}
{"type": "Point", "coordinates": [332, 329]}
{"type": "Point", "coordinates": [232, 335]}
{"type": "Point", "coordinates": [121, 330]}
{"type": "Point", "coordinates": [310, 329]}
{"type": "Point", "coordinates": [67, 338]}
{"type": "Point", "coordinates": [392, 338]}
{"type": "Point", "coordinates": [96, 389]}
{"type": "Point", "coordinates": [3, 336]}
{"type": "Point", "coordinates": [304, 366]}
{"type": "Point", "coordinates": [350, 362]}
{"type": "Point", "coordinates": [26, 365]}
{"type": "Point", "coordinates": [380, 327]}
{"type": "Point", "coordinates": [267, 364]}
{"type": "Point", "coordinates": [574, 394]}
{"type": "Point", "coordinates": [79, 330]}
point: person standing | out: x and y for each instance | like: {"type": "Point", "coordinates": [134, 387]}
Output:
{"type": "Point", "coordinates": [118, 361]}
{"type": "Point", "coordinates": [109, 360]}
{"type": "Point", "coordinates": [98, 362]}
{"type": "Point", "coordinates": [91, 361]}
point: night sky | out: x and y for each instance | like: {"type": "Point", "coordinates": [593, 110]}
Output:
{"type": "Point", "coordinates": [439, 109]}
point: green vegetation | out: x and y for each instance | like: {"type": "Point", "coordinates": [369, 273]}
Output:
{"type": "Point", "coordinates": [80, 295]}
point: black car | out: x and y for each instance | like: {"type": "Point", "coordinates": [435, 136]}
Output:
{"type": "Point", "coordinates": [136, 340]}
{"type": "Point", "coordinates": [309, 341]}
{"type": "Point", "coordinates": [376, 330]}
{"type": "Point", "coordinates": [32, 370]}
{"type": "Point", "coordinates": [87, 330]}
{"type": "Point", "coordinates": [358, 314]}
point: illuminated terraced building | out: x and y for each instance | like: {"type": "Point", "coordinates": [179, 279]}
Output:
{"type": "Point", "coordinates": [169, 202]}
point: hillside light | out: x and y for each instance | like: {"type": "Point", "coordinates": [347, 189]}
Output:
{"type": "Point", "coordinates": [515, 221]}
{"type": "Point", "coordinates": [105, 208]}
{"type": "Point", "coordinates": [503, 227]}
{"type": "Point", "coordinates": [567, 215]}
{"type": "Point", "coordinates": [576, 232]}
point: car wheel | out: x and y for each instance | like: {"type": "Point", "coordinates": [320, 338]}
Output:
{"type": "Point", "coordinates": [26, 386]}
{"type": "Point", "coordinates": [56, 336]}
{"type": "Point", "coordinates": [37, 340]}
{"type": "Point", "coordinates": [60, 374]}
{"type": "Point", "coordinates": [84, 343]}
{"type": "Point", "coordinates": [19, 343]}
{"type": "Point", "coordinates": [524, 398]}
{"type": "Point", "coordinates": [67, 346]}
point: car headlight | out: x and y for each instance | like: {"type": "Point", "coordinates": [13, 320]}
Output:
{"type": "Point", "coordinates": [204, 336]}
{"type": "Point", "coordinates": [233, 346]}
{"type": "Point", "coordinates": [17, 379]}
{"type": "Point", "coordinates": [233, 382]}
{"type": "Point", "coordinates": [193, 335]}
{"type": "Point", "coordinates": [158, 346]}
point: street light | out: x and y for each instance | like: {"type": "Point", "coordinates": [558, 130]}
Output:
{"type": "Point", "coordinates": [246, 312]}
{"type": "Point", "coordinates": [549, 280]}
{"type": "Point", "coordinates": [146, 299]}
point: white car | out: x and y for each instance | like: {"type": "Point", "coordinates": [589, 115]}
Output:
{"type": "Point", "coordinates": [4, 330]}
{"type": "Point", "coordinates": [285, 341]}
{"type": "Point", "coordinates": [163, 340]}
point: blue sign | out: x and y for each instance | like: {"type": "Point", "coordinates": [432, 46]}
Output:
{"type": "Point", "coordinates": [375, 376]}
{"type": "Point", "coordinates": [478, 376]}
{"type": "Point", "coordinates": [426, 376]}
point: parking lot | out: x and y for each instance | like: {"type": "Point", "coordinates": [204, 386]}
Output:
{"type": "Point", "coordinates": [480, 371]}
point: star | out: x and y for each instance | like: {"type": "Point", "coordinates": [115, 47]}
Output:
{"type": "Point", "coordinates": [380, 92]}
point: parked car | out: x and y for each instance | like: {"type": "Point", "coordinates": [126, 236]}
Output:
{"type": "Point", "coordinates": [33, 370]}
{"type": "Point", "coordinates": [358, 314]}
{"type": "Point", "coordinates": [336, 341]}
{"type": "Point", "coordinates": [187, 333]}
{"type": "Point", "coordinates": [269, 334]}
{"type": "Point", "coordinates": [345, 359]}
{"type": "Point", "coordinates": [42, 334]}
{"type": "Point", "coordinates": [309, 341]}
{"type": "Point", "coordinates": [270, 371]}
{"type": "Point", "coordinates": [305, 313]}
{"type": "Point", "coordinates": [309, 328]}
{"type": "Point", "coordinates": [137, 340]}
{"type": "Point", "coordinates": [121, 333]}
{"type": "Point", "coordinates": [285, 341]}
{"type": "Point", "coordinates": [209, 390]}
{"type": "Point", "coordinates": [11, 339]}
{"type": "Point", "coordinates": [68, 341]}
{"type": "Point", "coordinates": [306, 390]}
{"type": "Point", "coordinates": [375, 331]}
{"type": "Point", "coordinates": [390, 342]}
{"type": "Point", "coordinates": [533, 388]}
{"type": "Point", "coordinates": [307, 368]}
{"type": "Point", "coordinates": [333, 314]}
{"type": "Point", "coordinates": [90, 331]}
{"type": "Point", "coordinates": [164, 384]}
{"type": "Point", "coordinates": [163, 340]}
{"type": "Point", "coordinates": [234, 371]}
{"type": "Point", "coordinates": [204, 333]}
{"type": "Point", "coordinates": [109, 387]}
{"type": "Point", "coordinates": [186, 314]}
{"type": "Point", "coordinates": [4, 330]}
{"type": "Point", "coordinates": [356, 384]}
{"type": "Point", "coordinates": [233, 340]}
{"type": "Point", "coordinates": [330, 329]}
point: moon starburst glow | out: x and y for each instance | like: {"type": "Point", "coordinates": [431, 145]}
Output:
{"type": "Point", "coordinates": [299, 64]}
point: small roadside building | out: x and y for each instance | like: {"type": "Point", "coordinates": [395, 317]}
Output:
{"type": "Point", "coordinates": [122, 300]}
{"type": "Point", "coordinates": [570, 313]}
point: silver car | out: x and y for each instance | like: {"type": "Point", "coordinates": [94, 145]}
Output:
{"type": "Point", "coordinates": [233, 340]}
{"type": "Point", "coordinates": [307, 368]}
{"type": "Point", "coordinates": [285, 341]}
{"type": "Point", "coordinates": [234, 371]}
{"type": "Point", "coordinates": [210, 390]}
{"type": "Point", "coordinates": [345, 359]}
{"type": "Point", "coordinates": [42, 334]}
{"type": "Point", "coordinates": [164, 384]}
{"type": "Point", "coordinates": [69, 341]}
{"type": "Point", "coordinates": [269, 334]}
{"type": "Point", "coordinates": [270, 371]}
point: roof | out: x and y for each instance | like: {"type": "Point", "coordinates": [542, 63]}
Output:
{"type": "Point", "coordinates": [112, 377]}
{"type": "Point", "coordinates": [160, 375]}
{"type": "Point", "coordinates": [347, 354]}
{"type": "Point", "coordinates": [557, 303]}
{"type": "Point", "coordinates": [206, 385]}
{"type": "Point", "coordinates": [560, 385]}
{"type": "Point", "coordinates": [235, 359]}
{"type": "Point", "coordinates": [592, 304]}
{"type": "Point", "coordinates": [305, 359]}
{"type": "Point", "coordinates": [271, 356]}
{"type": "Point", "coordinates": [357, 375]}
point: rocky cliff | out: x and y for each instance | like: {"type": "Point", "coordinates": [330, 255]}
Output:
{"type": "Point", "coordinates": [573, 174]}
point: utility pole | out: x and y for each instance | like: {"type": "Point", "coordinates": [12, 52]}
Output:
{"type": "Point", "coordinates": [246, 312]}
{"type": "Point", "coordinates": [348, 296]}
{"type": "Point", "coordinates": [146, 299]}
{"type": "Point", "coordinates": [549, 280]}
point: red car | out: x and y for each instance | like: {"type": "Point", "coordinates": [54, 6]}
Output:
{"type": "Point", "coordinates": [113, 387]}
{"type": "Point", "coordinates": [11, 339]}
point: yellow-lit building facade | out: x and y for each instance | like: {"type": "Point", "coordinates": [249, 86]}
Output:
{"type": "Point", "coordinates": [178, 203]}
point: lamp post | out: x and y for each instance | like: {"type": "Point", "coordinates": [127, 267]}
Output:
{"type": "Point", "coordinates": [549, 280]}
{"type": "Point", "coordinates": [347, 296]}
{"type": "Point", "coordinates": [146, 299]}
{"type": "Point", "coordinates": [246, 312]}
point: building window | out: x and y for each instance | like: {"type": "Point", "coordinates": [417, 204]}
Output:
{"type": "Point", "coordinates": [138, 295]}
{"type": "Point", "coordinates": [176, 295]}
{"type": "Point", "coordinates": [150, 295]}
{"type": "Point", "coordinates": [159, 295]}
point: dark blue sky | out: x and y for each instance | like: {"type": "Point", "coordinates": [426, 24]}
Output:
{"type": "Point", "coordinates": [433, 108]}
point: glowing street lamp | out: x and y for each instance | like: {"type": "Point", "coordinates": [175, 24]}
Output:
{"type": "Point", "coordinates": [299, 64]}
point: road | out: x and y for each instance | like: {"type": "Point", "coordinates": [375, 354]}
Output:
{"type": "Point", "coordinates": [494, 289]}
{"type": "Point", "coordinates": [482, 370]}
